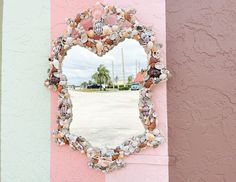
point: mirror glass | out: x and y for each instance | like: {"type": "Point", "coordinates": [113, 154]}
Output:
{"type": "Point", "coordinates": [105, 92]}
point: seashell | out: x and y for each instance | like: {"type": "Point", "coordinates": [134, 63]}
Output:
{"type": "Point", "coordinates": [131, 149]}
{"type": "Point", "coordinates": [127, 16]}
{"type": "Point", "coordinates": [56, 74]}
{"type": "Point", "coordinates": [90, 33]}
{"type": "Point", "coordinates": [148, 94]}
{"type": "Point", "coordinates": [152, 61]}
{"type": "Point", "coordinates": [150, 137]}
{"type": "Point", "coordinates": [126, 148]}
{"type": "Point", "coordinates": [146, 37]}
{"type": "Point", "coordinates": [115, 28]}
{"type": "Point", "coordinates": [155, 50]}
{"type": "Point", "coordinates": [97, 37]}
{"type": "Point", "coordinates": [125, 34]}
{"type": "Point", "coordinates": [94, 160]}
{"type": "Point", "coordinates": [69, 30]}
{"type": "Point", "coordinates": [105, 49]}
{"type": "Point", "coordinates": [154, 72]}
{"type": "Point", "coordinates": [99, 46]}
{"type": "Point", "coordinates": [134, 143]}
{"type": "Point", "coordinates": [103, 163]}
{"type": "Point", "coordinates": [66, 95]}
{"type": "Point", "coordinates": [152, 126]}
{"type": "Point", "coordinates": [106, 30]}
{"type": "Point", "coordinates": [89, 44]}
{"type": "Point", "coordinates": [159, 66]}
{"type": "Point", "coordinates": [163, 76]}
{"type": "Point", "coordinates": [150, 45]}
{"type": "Point", "coordinates": [60, 135]}
{"type": "Point", "coordinates": [156, 80]}
{"type": "Point", "coordinates": [78, 19]}
{"type": "Point", "coordinates": [47, 83]}
{"type": "Point", "coordinates": [98, 27]}
{"type": "Point", "coordinates": [146, 77]}
{"type": "Point", "coordinates": [136, 37]}
{"type": "Point", "coordinates": [59, 88]}
{"type": "Point", "coordinates": [55, 63]}
{"type": "Point", "coordinates": [142, 145]}
{"type": "Point", "coordinates": [69, 40]}
{"type": "Point", "coordinates": [160, 139]}
{"type": "Point", "coordinates": [139, 28]}
{"type": "Point", "coordinates": [148, 84]}
{"type": "Point", "coordinates": [113, 36]}
{"type": "Point", "coordinates": [84, 38]}
{"type": "Point", "coordinates": [109, 41]}
{"type": "Point", "coordinates": [66, 46]}
{"type": "Point", "coordinates": [134, 32]}
{"type": "Point", "coordinates": [147, 122]}
{"type": "Point", "coordinates": [115, 157]}
{"type": "Point", "coordinates": [54, 80]}
{"type": "Point", "coordinates": [156, 131]}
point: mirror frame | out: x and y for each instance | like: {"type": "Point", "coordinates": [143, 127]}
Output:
{"type": "Point", "coordinates": [100, 39]}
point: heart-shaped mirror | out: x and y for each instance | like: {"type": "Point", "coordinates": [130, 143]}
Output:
{"type": "Point", "coordinates": [103, 71]}
{"type": "Point", "coordinates": [105, 92]}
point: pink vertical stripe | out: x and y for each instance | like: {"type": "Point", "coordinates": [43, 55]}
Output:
{"type": "Point", "coordinates": [68, 165]}
{"type": "Point", "coordinates": [150, 165]}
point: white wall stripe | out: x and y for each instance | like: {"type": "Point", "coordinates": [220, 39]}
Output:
{"type": "Point", "coordinates": [25, 102]}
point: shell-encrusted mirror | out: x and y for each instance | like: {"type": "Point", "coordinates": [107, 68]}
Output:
{"type": "Point", "coordinates": [103, 69]}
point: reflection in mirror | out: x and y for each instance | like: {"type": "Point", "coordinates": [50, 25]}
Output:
{"type": "Point", "coordinates": [104, 92]}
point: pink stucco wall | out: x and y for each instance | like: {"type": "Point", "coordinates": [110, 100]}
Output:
{"type": "Point", "coordinates": [201, 52]}
{"type": "Point", "coordinates": [150, 165]}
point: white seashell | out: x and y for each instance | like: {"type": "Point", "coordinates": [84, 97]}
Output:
{"type": "Point", "coordinates": [99, 47]}
{"type": "Point", "coordinates": [163, 76]}
{"type": "Point", "coordinates": [134, 143]}
{"type": "Point", "coordinates": [131, 149]}
{"type": "Point", "coordinates": [84, 38]}
{"type": "Point", "coordinates": [69, 40]}
{"type": "Point", "coordinates": [106, 30]}
{"type": "Point", "coordinates": [66, 46]}
{"type": "Point", "coordinates": [146, 77]}
{"type": "Point", "coordinates": [150, 45]}
{"type": "Point", "coordinates": [113, 36]}
{"type": "Point", "coordinates": [115, 28]}
{"type": "Point", "coordinates": [69, 29]}
{"type": "Point", "coordinates": [118, 10]}
{"type": "Point", "coordinates": [156, 131]}
{"type": "Point", "coordinates": [55, 63]}
{"type": "Point", "coordinates": [160, 139]}
{"type": "Point", "coordinates": [98, 27]}
{"type": "Point", "coordinates": [46, 83]}
{"type": "Point", "coordinates": [134, 32]}
{"type": "Point", "coordinates": [159, 66]}
{"type": "Point", "coordinates": [126, 148]}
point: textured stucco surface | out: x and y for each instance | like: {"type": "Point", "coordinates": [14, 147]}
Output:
{"type": "Point", "coordinates": [25, 117]}
{"type": "Point", "coordinates": [201, 55]}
